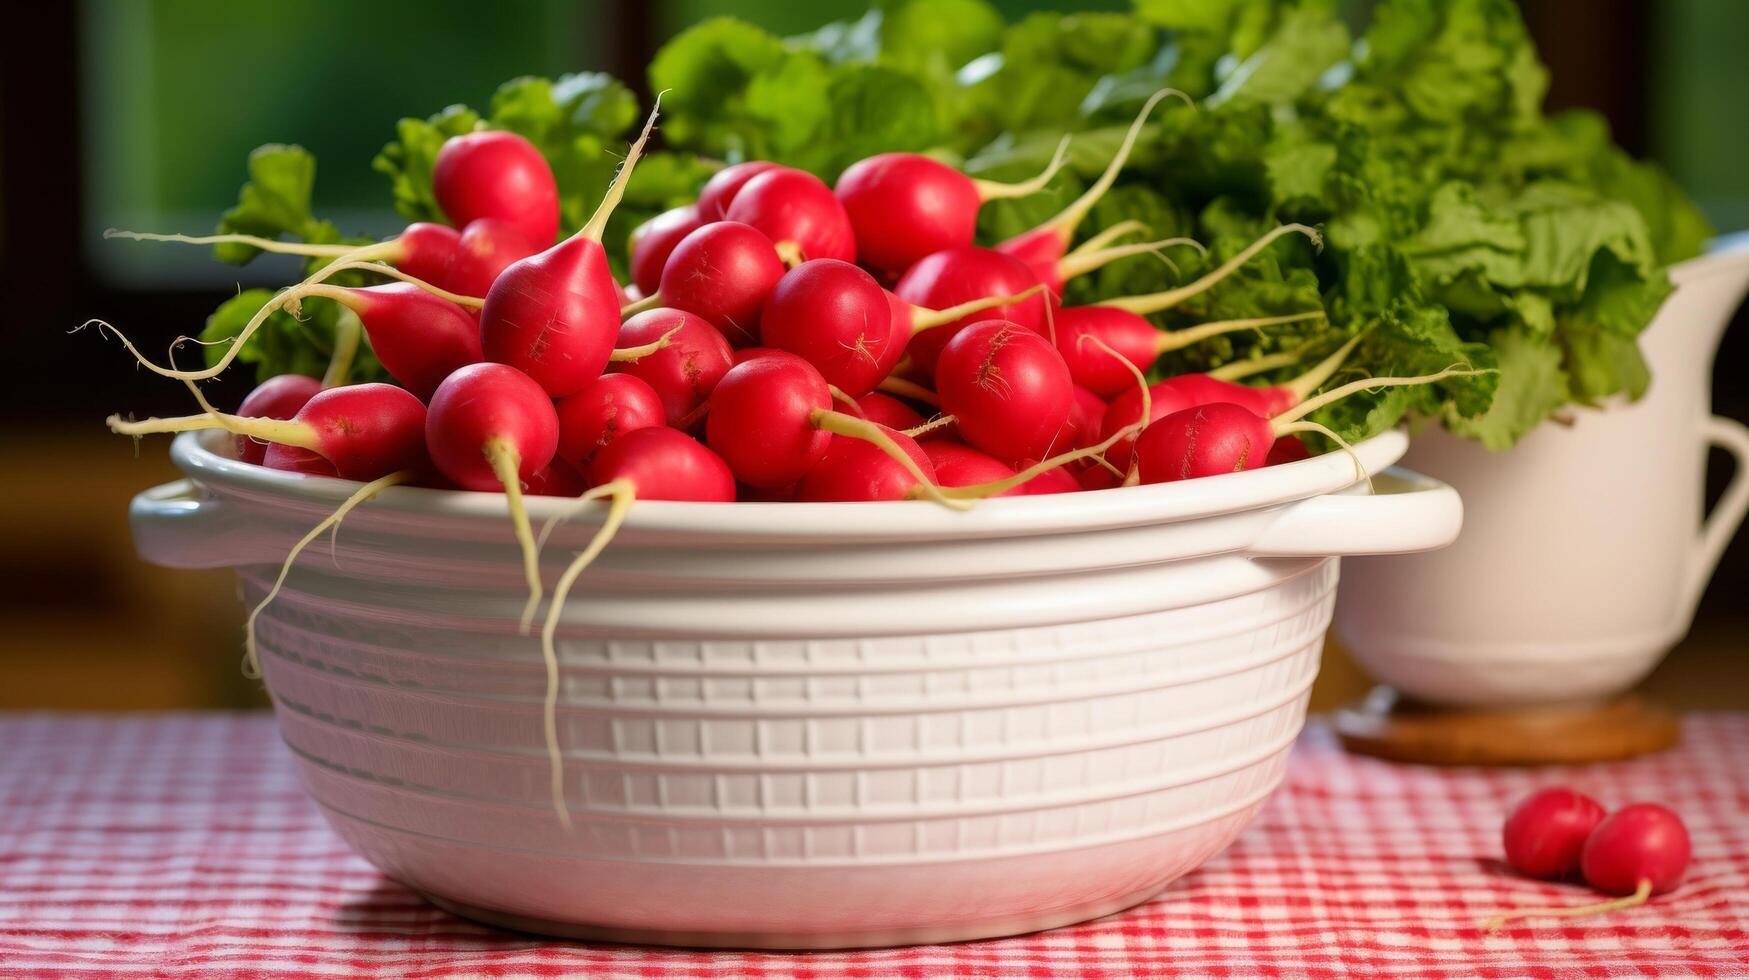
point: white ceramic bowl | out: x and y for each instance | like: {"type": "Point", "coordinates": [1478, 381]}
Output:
{"type": "Point", "coordinates": [801, 725]}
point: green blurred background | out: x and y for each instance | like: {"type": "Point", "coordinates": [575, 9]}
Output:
{"type": "Point", "coordinates": [140, 114]}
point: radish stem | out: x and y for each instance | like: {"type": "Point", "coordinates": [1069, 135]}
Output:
{"type": "Point", "coordinates": [348, 331]}
{"type": "Point", "coordinates": [893, 385]}
{"type": "Point", "coordinates": [1171, 340]}
{"type": "Point", "coordinates": [1303, 386]}
{"type": "Point", "coordinates": [253, 241]}
{"type": "Point", "coordinates": [615, 191]}
{"type": "Point", "coordinates": [923, 318]}
{"type": "Point", "coordinates": [1086, 260]}
{"type": "Point", "coordinates": [1166, 299]}
{"type": "Point", "coordinates": [990, 190]}
{"type": "Point", "coordinates": [623, 355]}
{"type": "Point", "coordinates": [506, 462]}
{"type": "Point", "coordinates": [649, 302]}
{"type": "Point", "coordinates": [841, 424]}
{"type": "Point", "coordinates": [1108, 236]}
{"type": "Point", "coordinates": [1066, 221]}
{"type": "Point", "coordinates": [284, 432]}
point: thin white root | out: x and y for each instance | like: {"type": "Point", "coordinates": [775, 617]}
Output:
{"type": "Point", "coordinates": [1360, 472]}
{"type": "Point", "coordinates": [621, 493]}
{"type": "Point", "coordinates": [1070, 217]}
{"type": "Point", "coordinates": [251, 661]}
{"type": "Point", "coordinates": [615, 191]}
{"type": "Point", "coordinates": [1166, 299]}
{"type": "Point", "coordinates": [852, 427]}
{"type": "Point", "coordinates": [1128, 226]}
{"type": "Point", "coordinates": [1311, 405]}
{"type": "Point", "coordinates": [630, 355]}
{"type": "Point", "coordinates": [649, 302]}
{"type": "Point", "coordinates": [939, 422]}
{"type": "Point", "coordinates": [1639, 897]}
{"type": "Point", "coordinates": [1082, 262]}
{"type": "Point", "coordinates": [1171, 340]}
{"type": "Point", "coordinates": [253, 241]}
{"type": "Point", "coordinates": [284, 432]}
{"type": "Point", "coordinates": [990, 190]}
{"type": "Point", "coordinates": [923, 318]}
{"type": "Point", "coordinates": [506, 464]}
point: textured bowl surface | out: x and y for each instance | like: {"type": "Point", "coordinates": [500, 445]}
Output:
{"type": "Point", "coordinates": [801, 725]}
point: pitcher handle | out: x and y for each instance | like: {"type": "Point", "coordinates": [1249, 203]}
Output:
{"type": "Point", "coordinates": [1716, 532]}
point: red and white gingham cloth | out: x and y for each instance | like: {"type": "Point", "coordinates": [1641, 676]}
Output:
{"type": "Point", "coordinates": [182, 845]}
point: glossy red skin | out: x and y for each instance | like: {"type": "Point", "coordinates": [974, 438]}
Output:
{"type": "Point", "coordinates": [1546, 831]}
{"type": "Point", "coordinates": [886, 410]}
{"type": "Point", "coordinates": [1133, 337]}
{"type": "Point", "coordinates": [497, 174]}
{"type": "Point", "coordinates": [279, 397]}
{"type": "Point", "coordinates": [664, 464]}
{"type": "Point", "coordinates": [486, 402]}
{"type": "Point", "coordinates": [684, 372]}
{"type": "Point", "coordinates": [1176, 394]}
{"type": "Point", "coordinates": [1058, 480]}
{"type": "Point", "coordinates": [854, 469]}
{"type": "Point", "coordinates": [723, 272]}
{"type": "Point", "coordinates": [1643, 841]}
{"type": "Point", "coordinates": [1007, 387]}
{"type": "Point", "coordinates": [795, 206]}
{"type": "Point", "coordinates": [291, 459]}
{"type": "Point", "coordinates": [1041, 249]}
{"type": "Point", "coordinates": [761, 419]}
{"type": "Point", "coordinates": [604, 410]}
{"type": "Point", "coordinates": [654, 240]}
{"type": "Point", "coordinates": [719, 192]}
{"type": "Point", "coordinates": [836, 317]}
{"type": "Point", "coordinates": [486, 248]}
{"type": "Point", "coordinates": [366, 431]}
{"type": "Point", "coordinates": [745, 354]}
{"type": "Point", "coordinates": [1201, 389]}
{"type": "Point", "coordinates": [419, 338]}
{"type": "Point", "coordinates": [1287, 449]}
{"type": "Point", "coordinates": [1207, 440]}
{"type": "Point", "coordinates": [961, 275]}
{"type": "Point", "coordinates": [904, 206]}
{"type": "Point", "coordinates": [554, 316]}
{"type": "Point", "coordinates": [427, 250]}
{"type": "Point", "coordinates": [1098, 478]}
{"type": "Point", "coordinates": [556, 479]}
{"type": "Point", "coordinates": [1086, 415]}
{"type": "Point", "coordinates": [959, 465]}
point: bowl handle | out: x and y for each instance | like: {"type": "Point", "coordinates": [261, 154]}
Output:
{"type": "Point", "coordinates": [1406, 512]}
{"type": "Point", "coordinates": [176, 526]}
{"type": "Point", "coordinates": [1704, 554]}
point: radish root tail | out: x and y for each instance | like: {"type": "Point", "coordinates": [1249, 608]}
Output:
{"type": "Point", "coordinates": [1166, 299]}
{"type": "Point", "coordinates": [631, 355]}
{"type": "Point", "coordinates": [506, 464]}
{"type": "Point", "coordinates": [990, 190]}
{"type": "Point", "coordinates": [617, 190]}
{"type": "Point", "coordinates": [852, 427]}
{"type": "Point", "coordinates": [908, 389]}
{"type": "Point", "coordinates": [1172, 340]}
{"type": "Point", "coordinates": [251, 659]}
{"type": "Point", "coordinates": [1639, 897]}
{"type": "Point", "coordinates": [253, 241]}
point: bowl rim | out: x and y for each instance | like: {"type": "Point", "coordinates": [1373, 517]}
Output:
{"type": "Point", "coordinates": [204, 457]}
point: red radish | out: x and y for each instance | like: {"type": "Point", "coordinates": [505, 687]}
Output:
{"type": "Point", "coordinates": [761, 419]}
{"type": "Point", "coordinates": [1184, 391]}
{"type": "Point", "coordinates": [883, 409]}
{"type": "Point", "coordinates": [1217, 438]}
{"type": "Point", "coordinates": [654, 240]}
{"type": "Point", "coordinates": [607, 408]}
{"type": "Point", "coordinates": [904, 206]}
{"type": "Point", "coordinates": [556, 479]}
{"type": "Point", "coordinates": [1099, 251]}
{"type": "Point", "coordinates": [963, 275]}
{"type": "Point", "coordinates": [719, 192]}
{"type": "Point", "coordinates": [653, 463]}
{"type": "Point", "coordinates": [836, 317]}
{"type": "Point", "coordinates": [1086, 419]}
{"type": "Point", "coordinates": [419, 338]}
{"type": "Point", "coordinates": [1058, 480]}
{"type": "Point", "coordinates": [1139, 341]}
{"type": "Point", "coordinates": [685, 370]}
{"type": "Point", "coordinates": [1043, 247]}
{"type": "Point", "coordinates": [422, 250]}
{"type": "Point", "coordinates": [797, 211]}
{"type": "Point", "coordinates": [745, 354]}
{"type": "Point", "coordinates": [959, 465]}
{"type": "Point", "coordinates": [1545, 832]}
{"type": "Point", "coordinates": [554, 315]}
{"type": "Point", "coordinates": [1287, 449]}
{"type": "Point", "coordinates": [279, 397]}
{"type": "Point", "coordinates": [723, 272]}
{"type": "Point", "coordinates": [1636, 852]}
{"type": "Point", "coordinates": [487, 247]}
{"type": "Point", "coordinates": [364, 431]}
{"type": "Point", "coordinates": [856, 469]}
{"type": "Point", "coordinates": [1007, 388]}
{"type": "Point", "coordinates": [496, 174]}
{"type": "Point", "coordinates": [490, 428]}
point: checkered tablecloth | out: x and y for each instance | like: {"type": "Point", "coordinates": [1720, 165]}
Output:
{"type": "Point", "coordinates": [182, 845]}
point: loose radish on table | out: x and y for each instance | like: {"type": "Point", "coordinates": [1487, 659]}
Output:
{"type": "Point", "coordinates": [1546, 831]}
{"type": "Point", "coordinates": [1007, 388]}
{"type": "Point", "coordinates": [1217, 438]}
{"type": "Point", "coordinates": [798, 212]}
{"type": "Point", "coordinates": [719, 192]}
{"type": "Point", "coordinates": [650, 464]}
{"type": "Point", "coordinates": [722, 272]}
{"type": "Point", "coordinates": [490, 427]}
{"type": "Point", "coordinates": [694, 356]}
{"type": "Point", "coordinates": [654, 240]}
{"type": "Point", "coordinates": [554, 315]}
{"type": "Point", "coordinates": [279, 397]}
{"type": "Point", "coordinates": [363, 431]}
{"type": "Point", "coordinates": [1043, 247]}
{"type": "Point", "coordinates": [964, 275]}
{"type": "Point", "coordinates": [1636, 852]}
{"type": "Point", "coordinates": [904, 206]}
{"type": "Point", "coordinates": [607, 408]}
{"type": "Point", "coordinates": [499, 175]}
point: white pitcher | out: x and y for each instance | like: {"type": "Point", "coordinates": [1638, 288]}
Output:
{"type": "Point", "coordinates": [1584, 548]}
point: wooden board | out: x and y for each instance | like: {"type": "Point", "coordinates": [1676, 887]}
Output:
{"type": "Point", "coordinates": [1386, 725]}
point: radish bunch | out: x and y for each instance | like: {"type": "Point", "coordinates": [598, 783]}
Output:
{"type": "Point", "coordinates": [1636, 852]}
{"type": "Point", "coordinates": [790, 341]}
